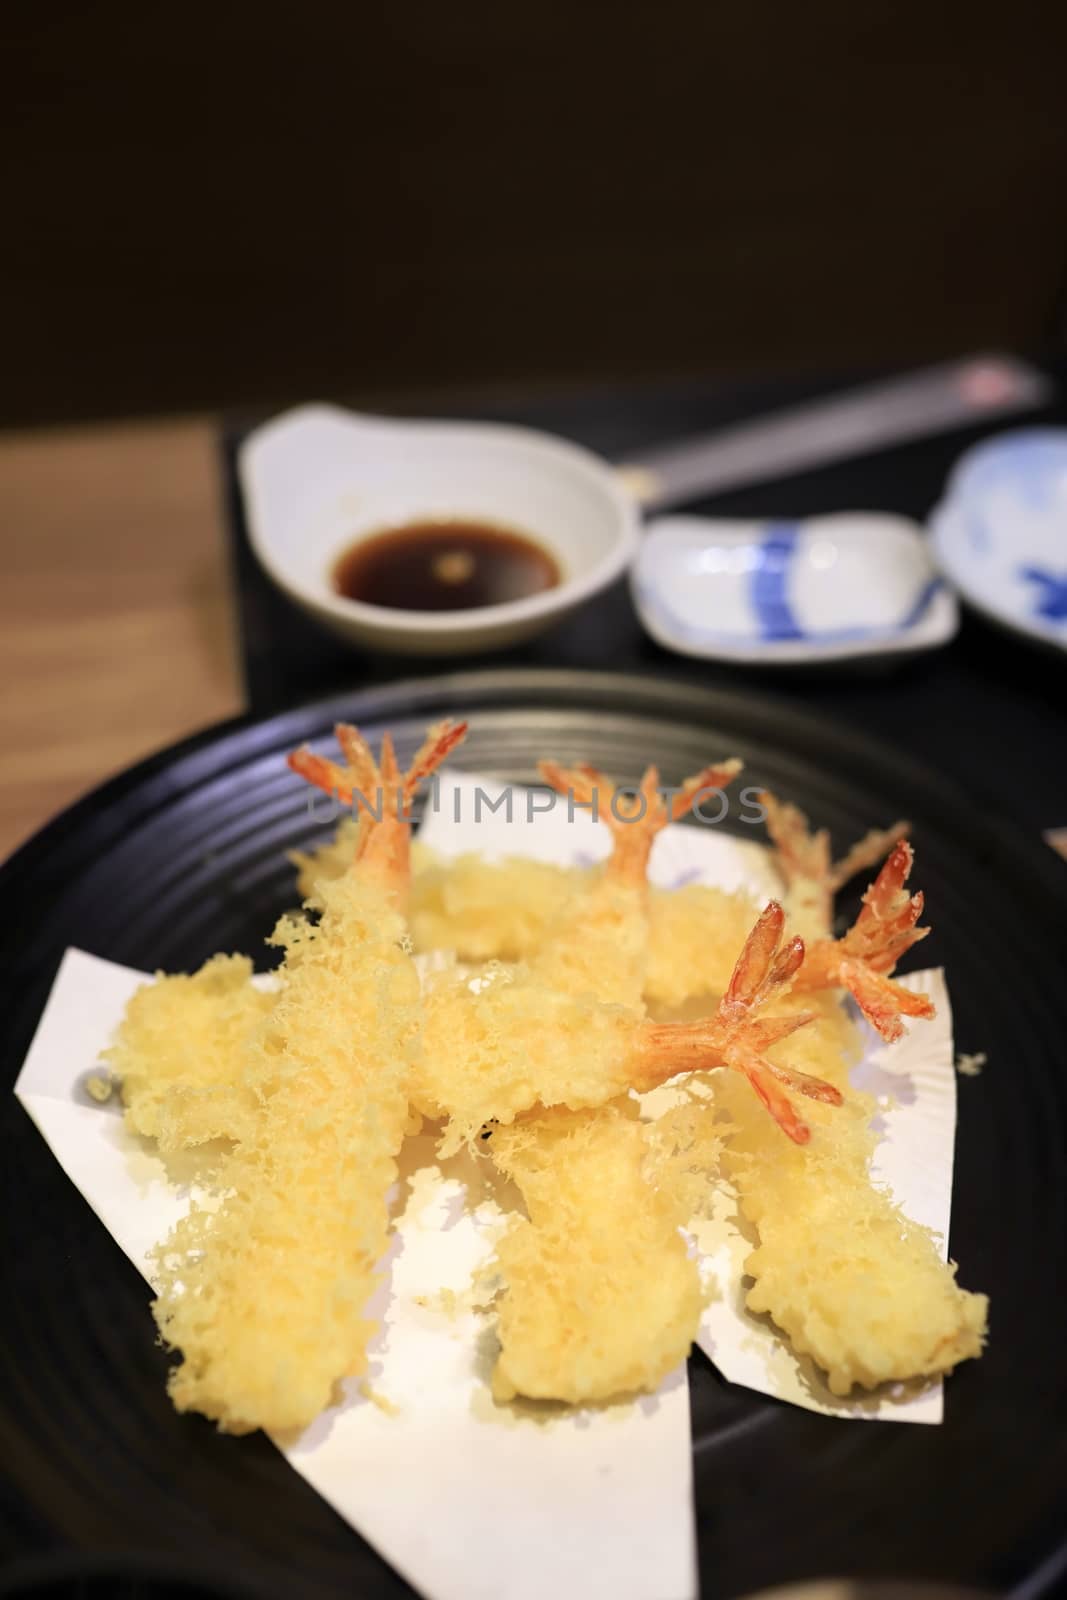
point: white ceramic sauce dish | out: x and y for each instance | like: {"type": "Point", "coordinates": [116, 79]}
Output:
{"type": "Point", "coordinates": [824, 589]}
{"type": "Point", "coordinates": [318, 478]}
{"type": "Point", "coordinates": [1000, 533]}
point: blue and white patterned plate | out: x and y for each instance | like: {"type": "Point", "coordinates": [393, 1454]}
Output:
{"type": "Point", "coordinates": [825, 589]}
{"type": "Point", "coordinates": [1000, 533]}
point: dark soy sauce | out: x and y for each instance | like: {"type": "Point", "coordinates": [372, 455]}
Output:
{"type": "Point", "coordinates": [444, 566]}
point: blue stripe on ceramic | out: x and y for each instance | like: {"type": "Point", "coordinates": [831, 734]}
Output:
{"type": "Point", "coordinates": [1049, 599]}
{"type": "Point", "coordinates": [679, 628]}
{"type": "Point", "coordinates": [768, 591]}
{"type": "Point", "coordinates": [922, 601]}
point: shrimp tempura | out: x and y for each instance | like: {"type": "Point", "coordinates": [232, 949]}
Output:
{"type": "Point", "coordinates": [516, 1044]}
{"type": "Point", "coordinates": [601, 1294]}
{"type": "Point", "coordinates": [264, 1295]}
{"type": "Point", "coordinates": [852, 1281]}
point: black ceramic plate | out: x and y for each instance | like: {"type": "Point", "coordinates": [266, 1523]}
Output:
{"type": "Point", "coordinates": [185, 855]}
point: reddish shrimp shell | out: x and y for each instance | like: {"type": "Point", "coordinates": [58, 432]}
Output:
{"type": "Point", "coordinates": [644, 814]}
{"type": "Point", "coordinates": [862, 960]}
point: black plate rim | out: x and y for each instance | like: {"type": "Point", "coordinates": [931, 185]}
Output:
{"type": "Point", "coordinates": [995, 833]}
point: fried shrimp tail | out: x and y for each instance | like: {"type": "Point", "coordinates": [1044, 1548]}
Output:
{"type": "Point", "coordinates": [736, 1037]}
{"type": "Point", "coordinates": [634, 816]}
{"type": "Point", "coordinates": [862, 960]}
{"type": "Point", "coordinates": [812, 878]}
{"type": "Point", "coordinates": [383, 845]}
{"type": "Point", "coordinates": [867, 852]}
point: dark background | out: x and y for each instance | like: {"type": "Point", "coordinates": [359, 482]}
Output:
{"type": "Point", "coordinates": [218, 204]}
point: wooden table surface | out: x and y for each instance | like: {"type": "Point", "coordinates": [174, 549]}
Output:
{"type": "Point", "coordinates": [116, 622]}
{"type": "Point", "coordinates": [117, 627]}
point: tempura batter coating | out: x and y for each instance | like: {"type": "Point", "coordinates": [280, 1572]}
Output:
{"type": "Point", "coordinates": [513, 1045]}
{"type": "Point", "coordinates": [508, 911]}
{"type": "Point", "coordinates": [694, 935]}
{"type": "Point", "coordinates": [331, 860]}
{"type": "Point", "coordinates": [486, 910]}
{"type": "Point", "coordinates": [180, 1054]}
{"type": "Point", "coordinates": [602, 1297]}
